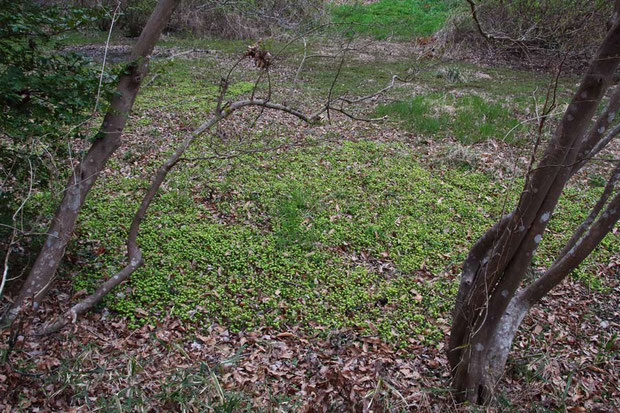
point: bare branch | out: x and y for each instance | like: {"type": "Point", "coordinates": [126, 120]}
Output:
{"type": "Point", "coordinates": [595, 141]}
{"type": "Point", "coordinates": [548, 107]}
{"type": "Point", "coordinates": [577, 253]}
{"type": "Point", "coordinates": [303, 60]}
{"type": "Point", "coordinates": [105, 53]}
{"type": "Point", "coordinates": [331, 88]}
{"type": "Point", "coordinates": [373, 95]}
{"type": "Point", "coordinates": [600, 145]}
{"type": "Point", "coordinates": [15, 230]}
{"type": "Point", "coordinates": [354, 117]}
{"type": "Point", "coordinates": [225, 82]}
{"type": "Point", "coordinates": [596, 209]}
{"type": "Point", "coordinates": [488, 36]}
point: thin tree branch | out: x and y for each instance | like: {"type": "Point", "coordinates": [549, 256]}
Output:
{"type": "Point", "coordinates": [306, 57]}
{"type": "Point", "coordinates": [600, 145]}
{"type": "Point", "coordinates": [331, 88]}
{"type": "Point", "coordinates": [596, 209]}
{"type": "Point", "coordinates": [303, 60]}
{"type": "Point", "coordinates": [105, 55]}
{"type": "Point", "coordinates": [373, 95]}
{"type": "Point", "coordinates": [5, 271]}
{"type": "Point", "coordinates": [576, 255]}
{"type": "Point", "coordinates": [595, 141]}
{"type": "Point", "coordinates": [488, 36]}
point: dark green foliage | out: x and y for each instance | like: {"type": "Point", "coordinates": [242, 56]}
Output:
{"type": "Point", "coordinates": [134, 16]}
{"type": "Point", "coordinates": [45, 93]}
{"type": "Point", "coordinates": [41, 88]}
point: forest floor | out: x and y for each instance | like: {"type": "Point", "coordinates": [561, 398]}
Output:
{"type": "Point", "coordinates": [303, 267]}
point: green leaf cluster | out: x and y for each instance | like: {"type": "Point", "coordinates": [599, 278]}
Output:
{"type": "Point", "coordinates": [45, 94]}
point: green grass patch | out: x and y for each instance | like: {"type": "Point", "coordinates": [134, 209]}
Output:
{"type": "Point", "coordinates": [468, 119]}
{"type": "Point", "coordinates": [463, 101]}
{"type": "Point", "coordinates": [393, 18]}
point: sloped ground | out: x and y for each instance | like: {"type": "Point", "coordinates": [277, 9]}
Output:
{"type": "Point", "coordinates": [318, 275]}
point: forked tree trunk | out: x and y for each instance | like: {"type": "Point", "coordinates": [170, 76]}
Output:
{"type": "Point", "coordinates": [492, 302]}
{"type": "Point", "coordinates": [86, 172]}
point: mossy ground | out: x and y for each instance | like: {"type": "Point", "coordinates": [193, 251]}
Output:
{"type": "Point", "coordinates": [348, 233]}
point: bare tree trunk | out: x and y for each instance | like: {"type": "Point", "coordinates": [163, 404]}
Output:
{"type": "Point", "coordinates": [86, 172]}
{"type": "Point", "coordinates": [490, 306]}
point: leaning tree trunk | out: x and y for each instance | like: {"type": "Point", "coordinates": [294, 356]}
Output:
{"type": "Point", "coordinates": [490, 306]}
{"type": "Point", "coordinates": [86, 172]}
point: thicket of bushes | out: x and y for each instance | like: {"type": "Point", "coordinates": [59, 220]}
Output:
{"type": "Point", "coordinates": [534, 30]}
{"type": "Point", "coordinates": [530, 29]}
{"type": "Point", "coordinates": [236, 19]}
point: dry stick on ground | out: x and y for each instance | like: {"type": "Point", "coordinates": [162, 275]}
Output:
{"type": "Point", "coordinates": [134, 253]}
{"type": "Point", "coordinates": [490, 307]}
{"type": "Point", "coordinates": [86, 172]}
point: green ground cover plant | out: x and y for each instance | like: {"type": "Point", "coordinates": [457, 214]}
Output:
{"type": "Point", "coordinates": [352, 235]}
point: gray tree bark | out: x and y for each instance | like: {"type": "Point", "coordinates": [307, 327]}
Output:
{"type": "Point", "coordinates": [492, 302]}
